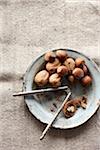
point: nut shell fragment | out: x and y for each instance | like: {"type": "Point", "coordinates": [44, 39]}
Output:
{"type": "Point", "coordinates": [69, 109]}
{"type": "Point", "coordinates": [71, 106]}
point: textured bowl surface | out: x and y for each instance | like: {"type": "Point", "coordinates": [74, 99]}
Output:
{"type": "Point", "coordinates": [43, 106]}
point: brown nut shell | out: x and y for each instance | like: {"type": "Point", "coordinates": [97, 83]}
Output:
{"type": "Point", "coordinates": [62, 70]}
{"type": "Point", "coordinates": [61, 54]}
{"type": "Point", "coordinates": [41, 78]}
{"type": "Point", "coordinates": [49, 56]}
{"type": "Point", "coordinates": [78, 73]}
{"type": "Point", "coordinates": [87, 80]}
{"type": "Point", "coordinates": [84, 102]}
{"type": "Point", "coordinates": [70, 64]}
{"type": "Point", "coordinates": [69, 109]}
{"type": "Point", "coordinates": [71, 106]}
{"type": "Point", "coordinates": [79, 62]}
{"type": "Point", "coordinates": [55, 80]}
{"type": "Point", "coordinates": [52, 67]}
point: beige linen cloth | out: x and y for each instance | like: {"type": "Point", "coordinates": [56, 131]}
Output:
{"type": "Point", "coordinates": [31, 27]}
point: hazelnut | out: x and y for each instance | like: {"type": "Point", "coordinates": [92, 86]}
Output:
{"type": "Point", "coordinates": [52, 67]}
{"type": "Point", "coordinates": [55, 80]}
{"type": "Point", "coordinates": [61, 54]}
{"type": "Point", "coordinates": [87, 80]}
{"type": "Point", "coordinates": [78, 73]}
{"type": "Point", "coordinates": [83, 105]}
{"type": "Point", "coordinates": [41, 78]}
{"type": "Point", "coordinates": [79, 61]}
{"type": "Point", "coordinates": [71, 78]}
{"type": "Point", "coordinates": [70, 64]}
{"type": "Point", "coordinates": [85, 69]}
{"type": "Point", "coordinates": [49, 56]}
{"type": "Point", "coordinates": [62, 70]}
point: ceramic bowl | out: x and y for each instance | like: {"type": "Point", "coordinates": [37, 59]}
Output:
{"type": "Point", "coordinates": [43, 106]}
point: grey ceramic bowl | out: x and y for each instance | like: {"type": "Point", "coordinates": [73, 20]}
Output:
{"type": "Point", "coordinates": [44, 106]}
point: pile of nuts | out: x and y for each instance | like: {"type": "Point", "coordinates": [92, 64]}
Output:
{"type": "Point", "coordinates": [58, 65]}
